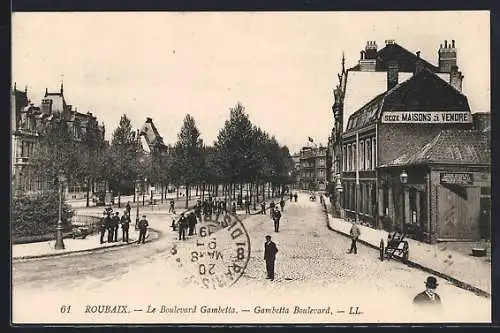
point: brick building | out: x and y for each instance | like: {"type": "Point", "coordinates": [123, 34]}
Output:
{"type": "Point", "coordinates": [27, 127]}
{"type": "Point", "coordinates": [403, 113]}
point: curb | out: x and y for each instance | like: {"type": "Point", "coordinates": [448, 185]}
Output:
{"type": "Point", "coordinates": [410, 263]}
{"type": "Point", "coordinates": [92, 250]}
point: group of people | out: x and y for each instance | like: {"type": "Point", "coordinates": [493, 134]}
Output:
{"type": "Point", "coordinates": [184, 222]}
{"type": "Point", "coordinates": [111, 222]}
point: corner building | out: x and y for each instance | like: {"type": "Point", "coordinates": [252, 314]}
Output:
{"type": "Point", "coordinates": [422, 124]}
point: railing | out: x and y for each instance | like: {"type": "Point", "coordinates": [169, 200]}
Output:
{"type": "Point", "coordinates": [91, 223]}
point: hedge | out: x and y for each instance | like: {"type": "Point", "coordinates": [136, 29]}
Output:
{"type": "Point", "coordinates": [37, 215]}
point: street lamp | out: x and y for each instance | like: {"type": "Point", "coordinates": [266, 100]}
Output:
{"type": "Point", "coordinates": [144, 191]}
{"type": "Point", "coordinates": [404, 179]}
{"type": "Point", "coordinates": [59, 229]}
{"type": "Point", "coordinates": [152, 190]}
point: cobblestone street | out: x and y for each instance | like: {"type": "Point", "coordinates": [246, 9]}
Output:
{"type": "Point", "coordinates": [312, 269]}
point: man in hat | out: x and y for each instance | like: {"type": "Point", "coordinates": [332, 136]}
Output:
{"type": "Point", "coordinates": [143, 227]}
{"type": "Point", "coordinates": [103, 225]}
{"type": "Point", "coordinates": [270, 251]}
{"type": "Point", "coordinates": [125, 222]}
{"type": "Point", "coordinates": [182, 227]}
{"type": "Point", "coordinates": [116, 225]}
{"type": "Point", "coordinates": [276, 218]}
{"type": "Point", "coordinates": [355, 233]}
{"type": "Point", "coordinates": [429, 296]}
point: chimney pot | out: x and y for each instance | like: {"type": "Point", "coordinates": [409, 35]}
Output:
{"type": "Point", "coordinates": [453, 43]}
{"type": "Point", "coordinates": [445, 44]}
{"type": "Point", "coordinates": [418, 54]}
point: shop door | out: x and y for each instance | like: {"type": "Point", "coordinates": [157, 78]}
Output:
{"type": "Point", "coordinates": [453, 215]}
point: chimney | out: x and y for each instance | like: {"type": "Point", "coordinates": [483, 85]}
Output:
{"type": "Point", "coordinates": [456, 78]}
{"type": "Point", "coordinates": [392, 74]}
{"type": "Point", "coordinates": [371, 50]}
{"type": "Point", "coordinates": [419, 63]}
{"type": "Point", "coordinates": [447, 56]}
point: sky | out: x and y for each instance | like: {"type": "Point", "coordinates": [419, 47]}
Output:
{"type": "Point", "coordinates": [282, 66]}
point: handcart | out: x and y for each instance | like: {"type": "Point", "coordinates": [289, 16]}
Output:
{"type": "Point", "coordinates": [396, 248]}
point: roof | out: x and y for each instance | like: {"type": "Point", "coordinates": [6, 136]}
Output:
{"type": "Point", "coordinates": [58, 101]}
{"type": "Point", "coordinates": [368, 113]}
{"type": "Point", "coordinates": [21, 99]}
{"type": "Point", "coordinates": [450, 147]}
{"type": "Point", "coordinates": [151, 134]}
{"type": "Point", "coordinates": [406, 59]}
{"type": "Point", "coordinates": [361, 88]}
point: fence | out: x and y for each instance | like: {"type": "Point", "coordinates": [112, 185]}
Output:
{"type": "Point", "coordinates": [86, 221]}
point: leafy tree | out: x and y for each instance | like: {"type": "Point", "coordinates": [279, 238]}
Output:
{"type": "Point", "coordinates": [123, 157]}
{"type": "Point", "coordinates": [188, 155]}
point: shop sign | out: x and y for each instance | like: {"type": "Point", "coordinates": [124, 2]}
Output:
{"type": "Point", "coordinates": [427, 117]}
{"type": "Point", "coordinates": [460, 178]}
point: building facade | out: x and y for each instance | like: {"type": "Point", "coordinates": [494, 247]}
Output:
{"type": "Point", "coordinates": [27, 127]}
{"type": "Point", "coordinates": [313, 168]}
{"type": "Point", "coordinates": [405, 114]}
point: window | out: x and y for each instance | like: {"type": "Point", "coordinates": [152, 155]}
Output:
{"type": "Point", "coordinates": [344, 159]}
{"type": "Point", "coordinates": [348, 157]}
{"type": "Point", "coordinates": [354, 159]}
{"type": "Point", "coordinates": [361, 198]}
{"type": "Point", "coordinates": [374, 153]}
{"type": "Point", "coordinates": [361, 155]}
{"type": "Point", "coordinates": [368, 155]}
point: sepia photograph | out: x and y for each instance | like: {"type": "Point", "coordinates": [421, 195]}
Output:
{"type": "Point", "coordinates": [250, 168]}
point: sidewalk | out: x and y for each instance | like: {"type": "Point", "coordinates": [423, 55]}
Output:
{"type": "Point", "coordinates": [90, 243]}
{"type": "Point", "coordinates": [464, 271]}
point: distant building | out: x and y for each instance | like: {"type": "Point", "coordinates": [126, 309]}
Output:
{"type": "Point", "coordinates": [296, 169]}
{"type": "Point", "coordinates": [27, 124]}
{"type": "Point", "coordinates": [313, 168]}
{"type": "Point", "coordinates": [396, 112]}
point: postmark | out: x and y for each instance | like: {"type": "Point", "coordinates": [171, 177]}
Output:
{"type": "Point", "coordinates": [219, 253]}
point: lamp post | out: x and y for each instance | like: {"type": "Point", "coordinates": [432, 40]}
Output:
{"type": "Point", "coordinates": [144, 191]}
{"type": "Point", "coordinates": [404, 179]}
{"type": "Point", "coordinates": [152, 200]}
{"type": "Point", "coordinates": [59, 229]}
{"type": "Point", "coordinates": [339, 189]}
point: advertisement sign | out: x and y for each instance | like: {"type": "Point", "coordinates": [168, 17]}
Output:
{"type": "Point", "coordinates": [427, 117]}
{"type": "Point", "coordinates": [460, 178]}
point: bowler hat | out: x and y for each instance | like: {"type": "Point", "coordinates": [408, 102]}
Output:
{"type": "Point", "coordinates": [143, 215]}
{"type": "Point", "coordinates": [431, 282]}
{"type": "Point", "coordinates": [268, 237]}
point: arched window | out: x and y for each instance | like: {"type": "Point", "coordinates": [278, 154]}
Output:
{"type": "Point", "coordinates": [368, 155]}
{"type": "Point", "coordinates": [361, 155]}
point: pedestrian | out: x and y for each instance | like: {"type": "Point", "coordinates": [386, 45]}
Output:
{"type": "Point", "coordinates": [233, 210]}
{"type": "Point", "coordinates": [116, 226]}
{"type": "Point", "coordinates": [295, 196]}
{"type": "Point", "coordinates": [271, 208]}
{"type": "Point", "coordinates": [191, 223]}
{"type": "Point", "coordinates": [174, 225]}
{"type": "Point", "coordinates": [429, 296]}
{"type": "Point", "coordinates": [128, 208]}
{"type": "Point", "coordinates": [182, 227]}
{"type": "Point", "coordinates": [270, 251]}
{"type": "Point", "coordinates": [282, 204]}
{"type": "Point", "coordinates": [276, 218]}
{"type": "Point", "coordinates": [355, 233]}
{"type": "Point", "coordinates": [247, 206]}
{"type": "Point", "coordinates": [197, 210]}
{"type": "Point", "coordinates": [108, 210]}
{"type": "Point", "coordinates": [171, 209]}
{"type": "Point", "coordinates": [110, 227]}
{"type": "Point", "coordinates": [125, 222]}
{"type": "Point", "coordinates": [263, 207]}
{"type": "Point", "coordinates": [143, 227]}
{"type": "Point", "coordinates": [291, 196]}
{"type": "Point", "coordinates": [103, 226]}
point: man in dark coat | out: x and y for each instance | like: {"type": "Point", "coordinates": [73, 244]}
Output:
{"type": "Point", "coordinates": [276, 218]}
{"type": "Point", "coordinates": [271, 208]}
{"type": "Point", "coordinates": [270, 251]}
{"type": "Point", "coordinates": [191, 223]}
{"type": "Point", "coordinates": [171, 209]}
{"type": "Point", "coordinates": [295, 196]}
{"type": "Point", "coordinates": [247, 206]}
{"type": "Point", "coordinates": [282, 204]}
{"type": "Point", "coordinates": [128, 208]}
{"type": "Point", "coordinates": [103, 226]}
{"type": "Point", "coordinates": [182, 225]}
{"type": "Point", "coordinates": [429, 296]}
{"type": "Point", "coordinates": [263, 207]}
{"type": "Point", "coordinates": [197, 210]}
{"type": "Point", "coordinates": [143, 227]}
{"type": "Point", "coordinates": [125, 222]}
{"type": "Point", "coordinates": [110, 227]}
{"type": "Point", "coordinates": [116, 225]}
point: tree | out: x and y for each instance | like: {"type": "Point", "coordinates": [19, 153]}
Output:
{"type": "Point", "coordinates": [58, 151]}
{"type": "Point", "coordinates": [123, 157]}
{"type": "Point", "coordinates": [188, 155]}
